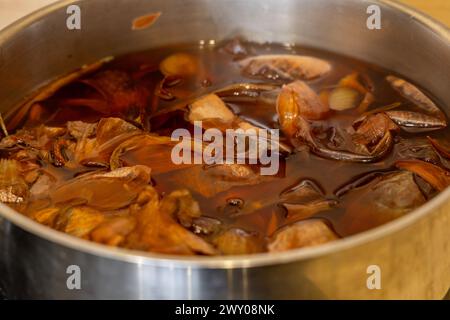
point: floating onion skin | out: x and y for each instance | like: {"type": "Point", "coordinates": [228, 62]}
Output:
{"type": "Point", "coordinates": [91, 154]}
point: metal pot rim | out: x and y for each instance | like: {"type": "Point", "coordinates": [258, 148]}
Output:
{"type": "Point", "coordinates": [220, 262]}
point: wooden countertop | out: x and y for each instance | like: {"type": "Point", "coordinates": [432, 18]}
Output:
{"type": "Point", "coordinates": [11, 10]}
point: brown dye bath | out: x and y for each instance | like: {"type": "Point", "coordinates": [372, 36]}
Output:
{"type": "Point", "coordinates": [55, 150]}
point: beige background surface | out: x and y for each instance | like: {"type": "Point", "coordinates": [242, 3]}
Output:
{"type": "Point", "coordinates": [439, 9]}
{"type": "Point", "coordinates": [11, 10]}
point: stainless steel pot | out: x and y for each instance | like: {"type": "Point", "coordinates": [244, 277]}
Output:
{"type": "Point", "coordinates": [413, 252]}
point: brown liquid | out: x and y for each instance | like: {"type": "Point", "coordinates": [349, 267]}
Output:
{"type": "Point", "coordinates": [253, 207]}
